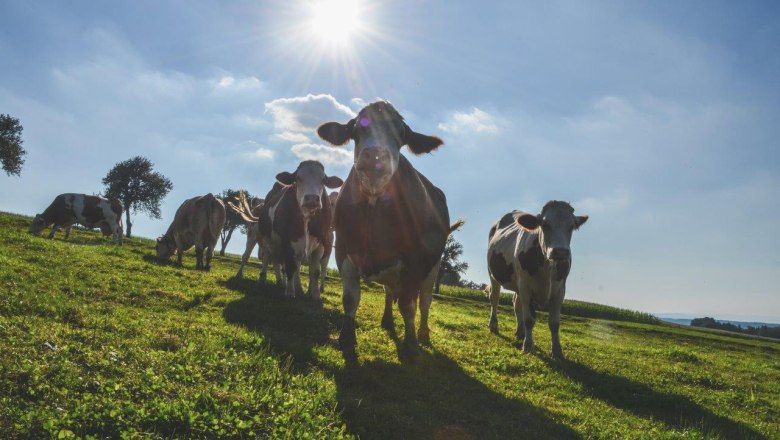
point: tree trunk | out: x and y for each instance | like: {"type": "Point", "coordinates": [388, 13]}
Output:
{"type": "Point", "coordinates": [128, 224]}
{"type": "Point", "coordinates": [225, 240]}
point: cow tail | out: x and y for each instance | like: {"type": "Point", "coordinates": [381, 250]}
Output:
{"type": "Point", "coordinates": [209, 213]}
{"type": "Point", "coordinates": [455, 226]}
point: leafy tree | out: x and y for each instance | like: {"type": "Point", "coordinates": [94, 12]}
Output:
{"type": "Point", "coordinates": [140, 188]}
{"type": "Point", "coordinates": [233, 220]}
{"type": "Point", "coordinates": [11, 151]}
{"type": "Point", "coordinates": [449, 261]}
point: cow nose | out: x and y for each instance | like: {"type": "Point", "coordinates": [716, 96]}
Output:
{"type": "Point", "coordinates": [560, 254]}
{"type": "Point", "coordinates": [311, 201]}
{"type": "Point", "coordinates": [373, 159]}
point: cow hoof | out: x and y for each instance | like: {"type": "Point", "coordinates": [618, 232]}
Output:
{"type": "Point", "coordinates": [424, 336]}
{"type": "Point", "coordinates": [410, 350]}
{"type": "Point", "coordinates": [493, 326]}
{"type": "Point", "coordinates": [528, 348]}
{"type": "Point", "coordinates": [557, 353]}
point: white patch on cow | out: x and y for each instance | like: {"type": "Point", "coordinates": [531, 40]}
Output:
{"type": "Point", "coordinates": [389, 276]}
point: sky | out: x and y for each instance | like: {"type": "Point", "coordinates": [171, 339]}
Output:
{"type": "Point", "coordinates": [659, 120]}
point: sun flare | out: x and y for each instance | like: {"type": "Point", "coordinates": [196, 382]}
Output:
{"type": "Point", "coordinates": [335, 21]}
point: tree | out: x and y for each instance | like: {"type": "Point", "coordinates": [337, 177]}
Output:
{"type": "Point", "coordinates": [233, 220]}
{"type": "Point", "coordinates": [11, 151]}
{"type": "Point", "coordinates": [140, 188]}
{"type": "Point", "coordinates": [449, 261]}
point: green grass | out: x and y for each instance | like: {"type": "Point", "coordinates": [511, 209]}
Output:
{"type": "Point", "coordinates": [99, 341]}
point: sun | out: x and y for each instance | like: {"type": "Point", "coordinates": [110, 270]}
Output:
{"type": "Point", "coordinates": [335, 21]}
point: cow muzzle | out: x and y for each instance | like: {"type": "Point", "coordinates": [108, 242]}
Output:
{"type": "Point", "coordinates": [559, 254]}
{"type": "Point", "coordinates": [374, 168]}
{"type": "Point", "coordinates": [311, 202]}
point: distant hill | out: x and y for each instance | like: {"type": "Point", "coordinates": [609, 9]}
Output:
{"type": "Point", "coordinates": [744, 324]}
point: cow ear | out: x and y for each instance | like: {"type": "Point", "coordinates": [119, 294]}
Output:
{"type": "Point", "coordinates": [285, 178]}
{"type": "Point", "coordinates": [335, 133]}
{"type": "Point", "coordinates": [333, 182]}
{"type": "Point", "coordinates": [420, 143]}
{"type": "Point", "coordinates": [580, 220]}
{"type": "Point", "coordinates": [528, 222]}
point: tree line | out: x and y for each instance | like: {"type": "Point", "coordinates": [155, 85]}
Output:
{"type": "Point", "coordinates": [764, 330]}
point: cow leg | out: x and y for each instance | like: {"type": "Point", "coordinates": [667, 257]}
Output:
{"type": "Point", "coordinates": [179, 256]}
{"type": "Point", "coordinates": [53, 231]}
{"type": "Point", "coordinates": [554, 322]}
{"type": "Point", "coordinates": [292, 279]}
{"type": "Point", "coordinates": [199, 257]}
{"type": "Point", "coordinates": [315, 268]}
{"type": "Point", "coordinates": [426, 298]}
{"type": "Point", "coordinates": [209, 255]}
{"type": "Point", "coordinates": [250, 246]}
{"type": "Point", "coordinates": [495, 295]}
{"type": "Point", "coordinates": [525, 318]}
{"type": "Point", "coordinates": [323, 272]}
{"type": "Point", "coordinates": [387, 317]}
{"type": "Point", "coordinates": [297, 281]}
{"type": "Point", "coordinates": [408, 307]}
{"type": "Point", "coordinates": [67, 231]}
{"type": "Point", "coordinates": [350, 298]}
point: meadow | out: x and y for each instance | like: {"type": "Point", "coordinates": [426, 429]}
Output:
{"type": "Point", "coordinates": [100, 341]}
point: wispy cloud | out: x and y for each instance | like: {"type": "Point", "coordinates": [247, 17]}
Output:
{"type": "Point", "coordinates": [325, 154]}
{"type": "Point", "coordinates": [295, 138]}
{"type": "Point", "coordinates": [303, 114]}
{"type": "Point", "coordinates": [476, 121]}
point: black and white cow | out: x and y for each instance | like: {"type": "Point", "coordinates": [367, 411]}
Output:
{"type": "Point", "coordinates": [88, 211]}
{"type": "Point", "coordinates": [531, 256]}
{"type": "Point", "coordinates": [391, 222]}
{"type": "Point", "coordinates": [295, 223]}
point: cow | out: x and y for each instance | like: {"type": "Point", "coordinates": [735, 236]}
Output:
{"type": "Point", "coordinates": [197, 222]}
{"type": "Point", "coordinates": [252, 236]}
{"type": "Point", "coordinates": [294, 224]}
{"type": "Point", "coordinates": [531, 256]}
{"type": "Point", "coordinates": [391, 222]}
{"type": "Point", "coordinates": [88, 211]}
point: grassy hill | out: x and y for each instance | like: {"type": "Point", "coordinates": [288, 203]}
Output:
{"type": "Point", "coordinates": [101, 341]}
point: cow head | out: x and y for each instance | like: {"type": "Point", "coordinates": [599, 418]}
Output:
{"type": "Point", "coordinates": [379, 132]}
{"type": "Point", "coordinates": [555, 225]}
{"type": "Point", "coordinates": [38, 225]}
{"type": "Point", "coordinates": [165, 247]}
{"type": "Point", "coordinates": [309, 181]}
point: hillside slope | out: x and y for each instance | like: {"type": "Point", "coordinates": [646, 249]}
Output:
{"type": "Point", "coordinates": [102, 341]}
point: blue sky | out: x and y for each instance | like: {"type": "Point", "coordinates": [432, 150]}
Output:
{"type": "Point", "coordinates": [657, 119]}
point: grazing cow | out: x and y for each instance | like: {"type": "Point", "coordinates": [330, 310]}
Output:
{"type": "Point", "coordinates": [391, 222]}
{"type": "Point", "coordinates": [197, 222]}
{"type": "Point", "coordinates": [88, 211]}
{"type": "Point", "coordinates": [252, 236]}
{"type": "Point", "coordinates": [531, 256]}
{"type": "Point", "coordinates": [295, 223]}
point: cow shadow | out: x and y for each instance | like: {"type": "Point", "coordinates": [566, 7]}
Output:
{"type": "Point", "coordinates": [290, 327]}
{"type": "Point", "coordinates": [434, 398]}
{"type": "Point", "coordinates": [674, 410]}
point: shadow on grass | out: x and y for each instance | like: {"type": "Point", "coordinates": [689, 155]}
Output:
{"type": "Point", "coordinates": [433, 398]}
{"type": "Point", "coordinates": [290, 326]}
{"type": "Point", "coordinates": [676, 411]}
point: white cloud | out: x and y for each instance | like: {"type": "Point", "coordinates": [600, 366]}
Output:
{"type": "Point", "coordinates": [262, 153]}
{"type": "Point", "coordinates": [296, 138]}
{"type": "Point", "coordinates": [326, 155]}
{"type": "Point", "coordinates": [477, 121]}
{"type": "Point", "coordinates": [303, 114]}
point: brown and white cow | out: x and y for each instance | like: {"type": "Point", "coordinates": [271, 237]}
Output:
{"type": "Point", "coordinates": [294, 224]}
{"type": "Point", "coordinates": [252, 236]}
{"type": "Point", "coordinates": [391, 222]}
{"type": "Point", "coordinates": [197, 222]}
{"type": "Point", "coordinates": [88, 211]}
{"type": "Point", "coordinates": [531, 256]}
